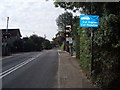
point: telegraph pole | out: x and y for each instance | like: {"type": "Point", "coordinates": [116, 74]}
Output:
{"type": "Point", "coordinates": [7, 24]}
{"type": "Point", "coordinates": [6, 36]}
{"type": "Point", "coordinates": [92, 36]}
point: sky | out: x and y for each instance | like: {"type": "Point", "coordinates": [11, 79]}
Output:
{"type": "Point", "coordinates": [30, 16]}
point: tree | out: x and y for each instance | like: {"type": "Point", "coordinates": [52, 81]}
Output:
{"type": "Point", "coordinates": [106, 41]}
{"type": "Point", "coordinates": [46, 44]}
{"type": "Point", "coordinates": [32, 43]}
{"type": "Point", "coordinates": [37, 42]}
{"type": "Point", "coordinates": [58, 40]}
{"type": "Point", "coordinates": [17, 46]}
{"type": "Point", "coordinates": [63, 20]}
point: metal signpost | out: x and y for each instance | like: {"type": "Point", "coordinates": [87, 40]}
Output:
{"type": "Point", "coordinates": [90, 21]}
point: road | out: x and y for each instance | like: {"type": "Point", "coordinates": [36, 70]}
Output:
{"type": "Point", "coordinates": [31, 70]}
{"type": "Point", "coordinates": [45, 69]}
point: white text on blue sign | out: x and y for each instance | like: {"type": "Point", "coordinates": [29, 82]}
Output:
{"type": "Point", "coordinates": [89, 21]}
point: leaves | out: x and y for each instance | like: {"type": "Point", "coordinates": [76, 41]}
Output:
{"type": "Point", "coordinates": [32, 43]}
{"type": "Point", "coordinates": [106, 40]}
{"type": "Point", "coordinates": [63, 20]}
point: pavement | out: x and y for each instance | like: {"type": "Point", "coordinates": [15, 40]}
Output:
{"type": "Point", "coordinates": [71, 76]}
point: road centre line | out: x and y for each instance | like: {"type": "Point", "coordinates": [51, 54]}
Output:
{"type": "Point", "coordinates": [3, 74]}
{"type": "Point", "coordinates": [13, 67]}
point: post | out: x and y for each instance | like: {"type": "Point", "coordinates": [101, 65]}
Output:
{"type": "Point", "coordinates": [92, 66]}
{"type": "Point", "coordinates": [91, 46]}
{"type": "Point", "coordinates": [7, 24]}
{"type": "Point", "coordinates": [6, 44]}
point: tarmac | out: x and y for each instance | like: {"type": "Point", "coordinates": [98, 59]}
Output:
{"type": "Point", "coordinates": [70, 74]}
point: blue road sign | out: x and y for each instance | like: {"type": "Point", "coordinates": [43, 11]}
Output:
{"type": "Point", "coordinates": [89, 21]}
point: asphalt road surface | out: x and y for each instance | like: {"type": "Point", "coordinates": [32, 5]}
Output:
{"type": "Point", "coordinates": [30, 70]}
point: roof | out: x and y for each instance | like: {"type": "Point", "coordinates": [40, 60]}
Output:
{"type": "Point", "coordinates": [12, 32]}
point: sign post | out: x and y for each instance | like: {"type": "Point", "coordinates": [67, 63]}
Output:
{"type": "Point", "coordinates": [90, 21]}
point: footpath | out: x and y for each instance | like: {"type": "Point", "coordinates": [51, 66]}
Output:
{"type": "Point", "coordinates": [69, 73]}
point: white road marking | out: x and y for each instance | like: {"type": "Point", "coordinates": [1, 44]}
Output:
{"type": "Point", "coordinates": [5, 57]}
{"type": "Point", "coordinates": [58, 69]}
{"type": "Point", "coordinates": [3, 74]}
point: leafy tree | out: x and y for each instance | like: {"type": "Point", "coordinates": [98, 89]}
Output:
{"type": "Point", "coordinates": [46, 44]}
{"type": "Point", "coordinates": [37, 42]}
{"type": "Point", "coordinates": [17, 46]}
{"type": "Point", "coordinates": [58, 40]}
{"type": "Point", "coordinates": [76, 36]}
{"type": "Point", "coordinates": [106, 41]}
{"type": "Point", "coordinates": [32, 43]}
{"type": "Point", "coordinates": [63, 20]}
{"type": "Point", "coordinates": [29, 45]}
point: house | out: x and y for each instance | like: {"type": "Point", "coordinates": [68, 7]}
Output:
{"type": "Point", "coordinates": [12, 34]}
{"type": "Point", "coordinates": [8, 37]}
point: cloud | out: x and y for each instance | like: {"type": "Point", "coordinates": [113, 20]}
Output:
{"type": "Point", "coordinates": [30, 16]}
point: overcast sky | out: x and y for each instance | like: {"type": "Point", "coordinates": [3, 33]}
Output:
{"type": "Point", "coordinates": [30, 16]}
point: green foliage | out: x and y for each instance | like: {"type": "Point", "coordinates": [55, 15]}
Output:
{"type": "Point", "coordinates": [29, 45]}
{"type": "Point", "coordinates": [106, 45]}
{"type": "Point", "coordinates": [62, 46]}
{"type": "Point", "coordinates": [46, 44]}
{"type": "Point", "coordinates": [106, 41]}
{"type": "Point", "coordinates": [85, 56]}
{"type": "Point", "coordinates": [63, 20]}
{"type": "Point", "coordinates": [76, 36]}
{"type": "Point", "coordinates": [32, 43]}
{"type": "Point", "coordinates": [17, 45]}
{"type": "Point", "coordinates": [106, 56]}
{"type": "Point", "coordinates": [58, 40]}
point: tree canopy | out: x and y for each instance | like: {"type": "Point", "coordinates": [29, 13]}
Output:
{"type": "Point", "coordinates": [63, 20]}
{"type": "Point", "coordinates": [32, 43]}
{"type": "Point", "coordinates": [106, 40]}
